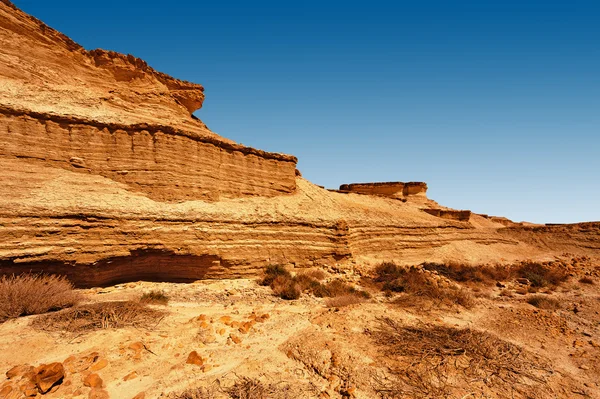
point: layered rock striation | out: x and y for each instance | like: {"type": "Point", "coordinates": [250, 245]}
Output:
{"type": "Point", "coordinates": [107, 177]}
{"type": "Point", "coordinates": [397, 190]}
{"type": "Point", "coordinates": [110, 114]}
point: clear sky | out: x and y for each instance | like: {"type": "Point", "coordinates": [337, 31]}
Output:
{"type": "Point", "coordinates": [495, 104]}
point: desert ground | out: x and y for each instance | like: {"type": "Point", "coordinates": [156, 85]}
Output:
{"type": "Point", "coordinates": [238, 339]}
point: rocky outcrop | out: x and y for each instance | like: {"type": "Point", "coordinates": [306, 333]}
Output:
{"type": "Point", "coordinates": [387, 189]}
{"type": "Point", "coordinates": [110, 114]}
{"type": "Point", "coordinates": [453, 214]}
{"type": "Point", "coordinates": [106, 177]}
{"type": "Point", "coordinates": [164, 163]}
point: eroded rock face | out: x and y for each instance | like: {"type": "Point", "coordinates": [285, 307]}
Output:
{"type": "Point", "coordinates": [387, 189]}
{"type": "Point", "coordinates": [449, 214]}
{"type": "Point", "coordinates": [106, 178]}
{"type": "Point", "coordinates": [111, 114]}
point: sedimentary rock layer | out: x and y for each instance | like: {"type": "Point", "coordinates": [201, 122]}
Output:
{"type": "Point", "coordinates": [162, 162]}
{"type": "Point", "coordinates": [449, 214]}
{"type": "Point", "coordinates": [106, 177]}
{"type": "Point", "coordinates": [387, 189]}
{"type": "Point", "coordinates": [111, 114]}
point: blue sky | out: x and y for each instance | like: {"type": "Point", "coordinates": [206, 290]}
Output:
{"type": "Point", "coordinates": [495, 104]}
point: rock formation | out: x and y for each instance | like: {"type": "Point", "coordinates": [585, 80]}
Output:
{"type": "Point", "coordinates": [387, 189]}
{"type": "Point", "coordinates": [107, 177]}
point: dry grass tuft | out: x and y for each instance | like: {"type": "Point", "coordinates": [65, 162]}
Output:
{"type": "Point", "coordinates": [99, 316]}
{"type": "Point", "coordinates": [29, 294]}
{"type": "Point", "coordinates": [543, 302]}
{"type": "Point", "coordinates": [433, 361]}
{"type": "Point", "coordinates": [242, 388]}
{"type": "Point", "coordinates": [155, 297]}
{"type": "Point", "coordinates": [342, 301]}
{"type": "Point", "coordinates": [195, 393]}
{"type": "Point", "coordinates": [251, 388]}
{"type": "Point", "coordinates": [315, 274]}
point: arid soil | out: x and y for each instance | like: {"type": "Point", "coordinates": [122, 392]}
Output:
{"type": "Point", "coordinates": [215, 334]}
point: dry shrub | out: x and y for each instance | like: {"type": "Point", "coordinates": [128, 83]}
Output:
{"type": "Point", "coordinates": [463, 273]}
{"type": "Point", "coordinates": [542, 274]}
{"type": "Point", "coordinates": [418, 284]}
{"type": "Point", "coordinates": [433, 361]}
{"type": "Point", "coordinates": [316, 274]}
{"type": "Point", "coordinates": [337, 288]}
{"type": "Point", "coordinates": [286, 286]}
{"type": "Point", "coordinates": [543, 302]}
{"type": "Point", "coordinates": [586, 280]}
{"type": "Point", "coordinates": [155, 297]}
{"type": "Point", "coordinates": [342, 301]}
{"type": "Point", "coordinates": [272, 272]}
{"type": "Point", "coordinates": [251, 388]}
{"type": "Point", "coordinates": [242, 388]}
{"type": "Point", "coordinates": [100, 315]}
{"type": "Point", "coordinates": [29, 294]}
{"type": "Point", "coordinates": [196, 393]}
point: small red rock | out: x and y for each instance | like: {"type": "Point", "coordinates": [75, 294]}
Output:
{"type": "Point", "coordinates": [48, 375]}
{"type": "Point", "coordinates": [195, 358]}
{"type": "Point", "coordinates": [93, 380]}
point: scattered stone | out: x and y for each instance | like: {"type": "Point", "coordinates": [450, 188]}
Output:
{"type": "Point", "coordinates": [194, 358]}
{"type": "Point", "coordinates": [235, 338]}
{"type": "Point", "coordinates": [19, 371]}
{"type": "Point", "coordinates": [93, 380]}
{"type": "Point", "coordinates": [99, 365]}
{"type": "Point", "coordinates": [47, 375]}
{"type": "Point", "coordinates": [98, 393]}
{"type": "Point", "coordinates": [130, 376]}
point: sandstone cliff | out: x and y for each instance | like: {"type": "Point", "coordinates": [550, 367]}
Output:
{"type": "Point", "coordinates": [107, 177]}
{"type": "Point", "coordinates": [105, 113]}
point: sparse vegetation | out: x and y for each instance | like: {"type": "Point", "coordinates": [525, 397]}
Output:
{"type": "Point", "coordinates": [29, 294]}
{"type": "Point", "coordinates": [242, 388]}
{"type": "Point", "coordinates": [542, 275]}
{"type": "Point", "coordinates": [543, 302]}
{"type": "Point", "coordinates": [286, 286]}
{"type": "Point", "coordinates": [314, 273]}
{"type": "Point", "coordinates": [426, 358]}
{"type": "Point", "coordinates": [155, 297]}
{"type": "Point", "coordinates": [464, 273]}
{"type": "Point", "coordinates": [416, 282]}
{"type": "Point", "coordinates": [342, 301]}
{"type": "Point", "coordinates": [272, 272]}
{"type": "Point", "coordinates": [101, 315]}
